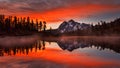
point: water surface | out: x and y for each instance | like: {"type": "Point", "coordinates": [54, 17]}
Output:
{"type": "Point", "coordinates": [64, 52]}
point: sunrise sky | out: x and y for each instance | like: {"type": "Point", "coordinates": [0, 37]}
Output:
{"type": "Point", "coordinates": [55, 12]}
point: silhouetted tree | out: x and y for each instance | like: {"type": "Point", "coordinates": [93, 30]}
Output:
{"type": "Point", "coordinates": [40, 25]}
{"type": "Point", "coordinates": [32, 25]}
{"type": "Point", "coordinates": [37, 24]}
{"type": "Point", "coordinates": [15, 23]}
{"type": "Point", "coordinates": [44, 25]}
{"type": "Point", "coordinates": [28, 23]}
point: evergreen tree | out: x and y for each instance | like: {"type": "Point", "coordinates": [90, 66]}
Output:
{"type": "Point", "coordinates": [44, 25]}
{"type": "Point", "coordinates": [40, 25]}
{"type": "Point", "coordinates": [32, 25]}
{"type": "Point", "coordinates": [37, 24]}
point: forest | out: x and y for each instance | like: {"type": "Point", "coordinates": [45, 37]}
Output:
{"type": "Point", "coordinates": [107, 28]}
{"type": "Point", "coordinates": [14, 25]}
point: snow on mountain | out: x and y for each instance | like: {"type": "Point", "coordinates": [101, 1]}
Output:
{"type": "Point", "coordinates": [71, 25]}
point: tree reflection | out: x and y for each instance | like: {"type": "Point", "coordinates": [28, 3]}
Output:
{"type": "Point", "coordinates": [23, 49]}
{"type": "Point", "coordinates": [43, 42]}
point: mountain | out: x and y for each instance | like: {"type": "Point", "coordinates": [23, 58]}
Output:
{"type": "Point", "coordinates": [71, 25]}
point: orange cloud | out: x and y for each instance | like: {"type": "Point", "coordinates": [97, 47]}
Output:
{"type": "Point", "coordinates": [71, 12]}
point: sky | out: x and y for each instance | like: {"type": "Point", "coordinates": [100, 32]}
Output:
{"type": "Point", "coordinates": [54, 12]}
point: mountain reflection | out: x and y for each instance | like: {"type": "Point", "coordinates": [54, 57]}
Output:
{"type": "Point", "coordinates": [72, 44]}
{"type": "Point", "coordinates": [69, 44]}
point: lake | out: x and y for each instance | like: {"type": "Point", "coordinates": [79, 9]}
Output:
{"type": "Point", "coordinates": [61, 52]}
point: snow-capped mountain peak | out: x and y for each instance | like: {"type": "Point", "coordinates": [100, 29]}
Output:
{"type": "Point", "coordinates": [71, 25]}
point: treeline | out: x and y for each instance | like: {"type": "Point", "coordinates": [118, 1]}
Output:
{"type": "Point", "coordinates": [14, 24]}
{"type": "Point", "coordinates": [107, 28]}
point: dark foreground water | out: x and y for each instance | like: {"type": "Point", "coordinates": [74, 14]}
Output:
{"type": "Point", "coordinates": [64, 52]}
